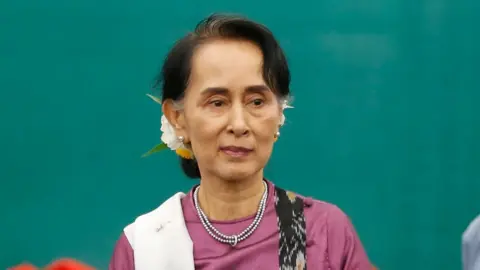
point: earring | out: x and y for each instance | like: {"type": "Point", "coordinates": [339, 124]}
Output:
{"type": "Point", "coordinates": [277, 134]}
{"type": "Point", "coordinates": [180, 139]}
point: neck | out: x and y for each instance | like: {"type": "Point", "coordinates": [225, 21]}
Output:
{"type": "Point", "coordinates": [229, 200]}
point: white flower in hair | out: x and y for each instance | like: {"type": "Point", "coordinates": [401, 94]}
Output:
{"type": "Point", "coordinates": [168, 135]}
{"type": "Point", "coordinates": [169, 138]}
{"type": "Point", "coordinates": [284, 106]}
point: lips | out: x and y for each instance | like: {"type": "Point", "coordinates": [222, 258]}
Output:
{"type": "Point", "coordinates": [236, 151]}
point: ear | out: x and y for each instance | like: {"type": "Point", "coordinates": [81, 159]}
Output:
{"type": "Point", "coordinates": [175, 117]}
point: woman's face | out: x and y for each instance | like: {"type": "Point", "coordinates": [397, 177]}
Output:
{"type": "Point", "coordinates": [230, 115]}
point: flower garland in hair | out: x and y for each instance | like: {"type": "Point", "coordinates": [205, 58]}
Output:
{"type": "Point", "coordinates": [170, 140]}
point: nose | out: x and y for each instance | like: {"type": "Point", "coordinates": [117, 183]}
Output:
{"type": "Point", "coordinates": [237, 123]}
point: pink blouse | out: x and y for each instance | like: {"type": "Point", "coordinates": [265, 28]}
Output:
{"type": "Point", "coordinates": [332, 242]}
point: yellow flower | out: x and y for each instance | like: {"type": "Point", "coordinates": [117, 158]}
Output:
{"type": "Point", "coordinates": [184, 153]}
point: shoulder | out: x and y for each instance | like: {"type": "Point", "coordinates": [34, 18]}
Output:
{"type": "Point", "coordinates": [322, 212]}
{"type": "Point", "coordinates": [471, 244]}
{"type": "Point", "coordinates": [331, 231]}
{"type": "Point", "coordinates": [122, 257]}
{"type": "Point", "coordinates": [323, 217]}
{"type": "Point", "coordinates": [317, 211]}
{"type": "Point", "coordinates": [472, 231]}
{"type": "Point", "coordinates": [471, 237]}
{"type": "Point", "coordinates": [167, 210]}
{"type": "Point", "coordinates": [328, 221]}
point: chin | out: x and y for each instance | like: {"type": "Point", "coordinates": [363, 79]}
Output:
{"type": "Point", "coordinates": [237, 173]}
{"type": "Point", "coordinates": [234, 176]}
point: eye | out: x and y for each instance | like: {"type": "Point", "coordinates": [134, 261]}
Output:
{"type": "Point", "coordinates": [217, 103]}
{"type": "Point", "coordinates": [258, 102]}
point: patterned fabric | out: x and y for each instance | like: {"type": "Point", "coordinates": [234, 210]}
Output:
{"type": "Point", "coordinates": [291, 224]}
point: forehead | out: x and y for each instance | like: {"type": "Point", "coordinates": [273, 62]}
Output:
{"type": "Point", "coordinates": [231, 64]}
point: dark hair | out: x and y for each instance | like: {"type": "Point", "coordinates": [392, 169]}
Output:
{"type": "Point", "coordinates": [175, 73]}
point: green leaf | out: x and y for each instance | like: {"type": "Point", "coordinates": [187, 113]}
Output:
{"type": "Point", "coordinates": [156, 99]}
{"type": "Point", "coordinates": [157, 148]}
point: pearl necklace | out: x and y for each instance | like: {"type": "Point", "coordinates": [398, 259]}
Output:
{"type": "Point", "coordinates": [233, 240]}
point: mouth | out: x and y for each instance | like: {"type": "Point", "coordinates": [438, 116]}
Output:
{"type": "Point", "coordinates": [236, 151]}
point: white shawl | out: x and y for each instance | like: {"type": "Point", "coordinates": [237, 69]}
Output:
{"type": "Point", "coordinates": [160, 239]}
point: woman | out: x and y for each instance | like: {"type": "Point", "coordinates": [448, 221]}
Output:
{"type": "Point", "coordinates": [225, 87]}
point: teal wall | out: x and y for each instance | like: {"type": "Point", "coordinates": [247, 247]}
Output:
{"type": "Point", "coordinates": [386, 121]}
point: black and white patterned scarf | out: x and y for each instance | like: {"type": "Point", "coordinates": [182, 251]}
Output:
{"type": "Point", "coordinates": [291, 224]}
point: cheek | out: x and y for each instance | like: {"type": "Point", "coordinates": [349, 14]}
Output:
{"type": "Point", "coordinates": [266, 128]}
{"type": "Point", "coordinates": [204, 131]}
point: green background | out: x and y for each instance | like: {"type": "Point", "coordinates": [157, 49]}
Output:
{"type": "Point", "coordinates": [386, 120]}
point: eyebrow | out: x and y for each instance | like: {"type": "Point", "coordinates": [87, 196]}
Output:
{"type": "Point", "coordinates": [223, 90]}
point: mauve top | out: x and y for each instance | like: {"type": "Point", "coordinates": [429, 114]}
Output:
{"type": "Point", "coordinates": [332, 243]}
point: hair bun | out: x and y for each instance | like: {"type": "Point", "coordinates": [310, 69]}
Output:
{"type": "Point", "coordinates": [190, 167]}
